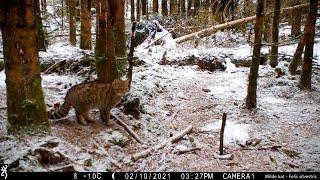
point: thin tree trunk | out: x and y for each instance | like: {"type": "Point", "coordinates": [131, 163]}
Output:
{"type": "Point", "coordinates": [196, 7]}
{"type": "Point", "coordinates": [144, 7]}
{"type": "Point", "coordinates": [132, 10]}
{"type": "Point", "coordinates": [173, 7]}
{"type": "Point", "coordinates": [267, 22]}
{"type": "Point", "coordinates": [251, 99]}
{"type": "Point", "coordinates": [41, 33]}
{"type": "Point", "coordinates": [309, 28]}
{"type": "Point", "coordinates": [85, 36]}
{"type": "Point", "coordinates": [275, 34]}
{"type": "Point", "coordinates": [164, 8]}
{"type": "Point", "coordinates": [297, 56]}
{"type": "Point", "coordinates": [138, 10]}
{"type": "Point", "coordinates": [101, 39]}
{"type": "Point", "coordinates": [182, 7]}
{"type": "Point", "coordinates": [119, 28]}
{"type": "Point", "coordinates": [111, 68]}
{"type": "Point", "coordinates": [72, 22]}
{"type": "Point", "coordinates": [43, 7]}
{"type": "Point", "coordinates": [189, 7]}
{"type": "Point", "coordinates": [25, 101]}
{"type": "Point", "coordinates": [155, 6]}
{"type": "Point", "coordinates": [296, 19]}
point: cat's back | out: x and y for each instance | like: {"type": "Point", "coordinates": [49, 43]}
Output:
{"type": "Point", "coordinates": [83, 90]}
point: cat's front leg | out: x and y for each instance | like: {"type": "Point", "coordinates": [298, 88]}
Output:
{"type": "Point", "coordinates": [105, 116]}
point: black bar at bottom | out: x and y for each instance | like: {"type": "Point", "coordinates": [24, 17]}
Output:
{"type": "Point", "coordinates": [158, 175]}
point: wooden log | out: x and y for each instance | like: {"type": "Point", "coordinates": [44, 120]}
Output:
{"type": "Point", "coordinates": [173, 139]}
{"type": "Point", "coordinates": [213, 29]}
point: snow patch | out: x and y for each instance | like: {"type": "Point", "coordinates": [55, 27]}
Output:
{"type": "Point", "coordinates": [233, 132]}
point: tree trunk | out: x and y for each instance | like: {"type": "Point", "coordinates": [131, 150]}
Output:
{"type": "Point", "coordinates": [138, 10]}
{"type": "Point", "coordinates": [155, 6]}
{"type": "Point", "coordinates": [43, 7]}
{"type": "Point", "coordinates": [144, 7]}
{"type": "Point", "coordinates": [182, 6]}
{"type": "Point", "coordinates": [297, 56]}
{"type": "Point", "coordinates": [309, 28]}
{"type": "Point", "coordinates": [101, 39]}
{"type": "Point", "coordinates": [164, 8]}
{"type": "Point", "coordinates": [25, 101]}
{"type": "Point", "coordinates": [111, 68]}
{"type": "Point", "coordinates": [196, 7]}
{"type": "Point", "coordinates": [275, 34]}
{"type": "Point", "coordinates": [173, 7]}
{"type": "Point", "coordinates": [251, 99]}
{"type": "Point", "coordinates": [267, 22]}
{"type": "Point", "coordinates": [41, 33]}
{"type": "Point", "coordinates": [189, 7]}
{"type": "Point", "coordinates": [72, 22]}
{"type": "Point", "coordinates": [296, 19]}
{"type": "Point", "coordinates": [132, 10]}
{"type": "Point", "coordinates": [85, 36]}
{"type": "Point", "coordinates": [119, 28]}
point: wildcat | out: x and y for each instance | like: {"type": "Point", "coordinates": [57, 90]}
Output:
{"type": "Point", "coordinates": [86, 96]}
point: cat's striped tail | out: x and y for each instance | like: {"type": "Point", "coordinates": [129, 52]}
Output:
{"type": "Point", "coordinates": [60, 112]}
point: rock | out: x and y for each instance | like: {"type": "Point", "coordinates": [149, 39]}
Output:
{"type": "Point", "coordinates": [48, 157]}
{"type": "Point", "coordinates": [131, 104]}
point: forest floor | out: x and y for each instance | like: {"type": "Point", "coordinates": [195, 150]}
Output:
{"type": "Point", "coordinates": [281, 134]}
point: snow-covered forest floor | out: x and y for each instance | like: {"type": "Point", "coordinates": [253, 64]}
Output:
{"type": "Point", "coordinates": [281, 134]}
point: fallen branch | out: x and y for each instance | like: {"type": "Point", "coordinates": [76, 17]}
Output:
{"type": "Point", "coordinates": [53, 66]}
{"type": "Point", "coordinates": [213, 29]}
{"type": "Point", "coordinates": [127, 128]}
{"type": "Point", "coordinates": [173, 139]}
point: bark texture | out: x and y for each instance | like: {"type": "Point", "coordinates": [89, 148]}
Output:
{"type": "Point", "coordinates": [309, 28]}
{"type": "Point", "coordinates": [72, 22]}
{"type": "Point", "coordinates": [85, 36]}
{"type": "Point", "coordinates": [275, 34]}
{"type": "Point", "coordinates": [25, 100]}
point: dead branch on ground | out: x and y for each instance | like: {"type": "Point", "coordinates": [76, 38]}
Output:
{"type": "Point", "coordinates": [173, 139]}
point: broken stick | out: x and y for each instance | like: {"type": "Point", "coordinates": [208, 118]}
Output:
{"type": "Point", "coordinates": [173, 139]}
{"type": "Point", "coordinates": [127, 128]}
{"type": "Point", "coordinates": [224, 118]}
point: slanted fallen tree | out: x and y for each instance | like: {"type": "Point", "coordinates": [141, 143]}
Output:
{"type": "Point", "coordinates": [213, 29]}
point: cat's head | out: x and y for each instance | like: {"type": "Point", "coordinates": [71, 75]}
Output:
{"type": "Point", "coordinates": [121, 87]}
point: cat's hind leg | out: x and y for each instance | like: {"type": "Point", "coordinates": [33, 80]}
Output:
{"type": "Point", "coordinates": [87, 117]}
{"type": "Point", "coordinates": [80, 118]}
